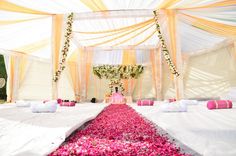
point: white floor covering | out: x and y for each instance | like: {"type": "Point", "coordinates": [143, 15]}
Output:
{"type": "Point", "coordinates": [208, 132]}
{"type": "Point", "coordinates": [23, 133]}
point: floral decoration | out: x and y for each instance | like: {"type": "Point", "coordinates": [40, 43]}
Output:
{"type": "Point", "coordinates": [117, 72]}
{"type": "Point", "coordinates": [116, 82]}
{"type": "Point", "coordinates": [66, 47]}
{"type": "Point", "coordinates": [164, 47]}
{"type": "Point", "coordinates": [118, 130]}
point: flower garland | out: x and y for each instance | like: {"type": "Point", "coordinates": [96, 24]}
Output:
{"type": "Point", "coordinates": [118, 130]}
{"type": "Point", "coordinates": [118, 71]}
{"type": "Point", "coordinates": [65, 47]}
{"type": "Point", "coordinates": [164, 47]}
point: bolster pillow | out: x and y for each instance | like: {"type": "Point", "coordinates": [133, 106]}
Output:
{"type": "Point", "coordinates": [145, 102]}
{"type": "Point", "coordinates": [171, 100]}
{"type": "Point", "coordinates": [39, 107]}
{"type": "Point", "coordinates": [67, 104]}
{"type": "Point", "coordinates": [219, 104]}
{"type": "Point", "coordinates": [189, 102]}
{"type": "Point", "coordinates": [176, 106]}
{"type": "Point", "coordinates": [22, 103]}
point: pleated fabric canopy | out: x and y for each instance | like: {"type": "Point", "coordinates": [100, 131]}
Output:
{"type": "Point", "coordinates": [114, 32]}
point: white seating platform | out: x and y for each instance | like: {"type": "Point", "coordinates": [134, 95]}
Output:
{"type": "Point", "coordinates": [208, 132]}
{"type": "Point", "coordinates": [23, 133]}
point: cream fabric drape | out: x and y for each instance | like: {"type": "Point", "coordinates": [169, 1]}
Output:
{"type": "Point", "coordinates": [57, 25]}
{"type": "Point", "coordinates": [202, 25]}
{"type": "Point", "coordinates": [74, 73]}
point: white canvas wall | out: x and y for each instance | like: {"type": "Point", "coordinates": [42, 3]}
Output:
{"type": "Point", "coordinates": [206, 75]}
{"type": "Point", "coordinates": [37, 82]}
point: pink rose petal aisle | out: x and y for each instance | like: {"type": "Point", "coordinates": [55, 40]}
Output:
{"type": "Point", "coordinates": [118, 130]}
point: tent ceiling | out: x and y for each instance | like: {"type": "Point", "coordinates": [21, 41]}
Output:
{"type": "Point", "coordinates": [67, 6]}
{"type": "Point", "coordinates": [21, 31]}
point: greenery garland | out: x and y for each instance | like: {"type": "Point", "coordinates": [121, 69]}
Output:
{"type": "Point", "coordinates": [117, 72]}
{"type": "Point", "coordinates": [66, 47]}
{"type": "Point", "coordinates": [164, 47]}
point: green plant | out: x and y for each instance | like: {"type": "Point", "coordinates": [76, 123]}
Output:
{"type": "Point", "coordinates": [3, 74]}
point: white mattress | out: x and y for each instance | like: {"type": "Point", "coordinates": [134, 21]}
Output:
{"type": "Point", "coordinates": [32, 134]}
{"type": "Point", "coordinates": [208, 132]}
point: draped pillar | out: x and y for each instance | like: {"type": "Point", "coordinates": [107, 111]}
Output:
{"type": "Point", "coordinates": [154, 69]}
{"type": "Point", "coordinates": [156, 62]}
{"type": "Point", "coordinates": [82, 69]}
{"type": "Point", "coordinates": [89, 58]}
{"type": "Point", "coordinates": [85, 65]}
{"type": "Point", "coordinates": [159, 74]}
{"type": "Point", "coordinates": [57, 25]}
{"type": "Point", "coordinates": [74, 72]}
{"type": "Point", "coordinates": [129, 58]}
{"type": "Point", "coordinates": [175, 50]}
{"type": "Point", "coordinates": [12, 78]}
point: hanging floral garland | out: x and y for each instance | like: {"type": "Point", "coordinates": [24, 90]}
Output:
{"type": "Point", "coordinates": [66, 47]}
{"type": "Point", "coordinates": [118, 71]}
{"type": "Point", "coordinates": [115, 73]}
{"type": "Point", "coordinates": [164, 47]}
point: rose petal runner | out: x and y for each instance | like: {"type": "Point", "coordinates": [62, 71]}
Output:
{"type": "Point", "coordinates": [118, 130]}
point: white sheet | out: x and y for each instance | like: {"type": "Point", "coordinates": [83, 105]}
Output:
{"type": "Point", "coordinates": [208, 132]}
{"type": "Point", "coordinates": [23, 133]}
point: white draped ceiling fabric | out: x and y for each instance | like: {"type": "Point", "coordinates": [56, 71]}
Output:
{"type": "Point", "coordinates": [113, 32]}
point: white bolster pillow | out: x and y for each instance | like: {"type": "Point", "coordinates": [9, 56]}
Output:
{"type": "Point", "coordinates": [40, 107]}
{"type": "Point", "coordinates": [189, 102]}
{"type": "Point", "coordinates": [176, 106]}
{"type": "Point", "coordinates": [21, 103]}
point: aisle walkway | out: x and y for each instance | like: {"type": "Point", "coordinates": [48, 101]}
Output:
{"type": "Point", "coordinates": [118, 130]}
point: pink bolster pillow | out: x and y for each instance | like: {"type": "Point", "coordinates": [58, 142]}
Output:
{"type": "Point", "coordinates": [145, 102]}
{"type": "Point", "coordinates": [171, 100]}
{"type": "Point", "coordinates": [68, 104]}
{"type": "Point", "coordinates": [219, 104]}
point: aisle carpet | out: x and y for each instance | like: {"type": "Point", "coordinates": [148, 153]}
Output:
{"type": "Point", "coordinates": [118, 130]}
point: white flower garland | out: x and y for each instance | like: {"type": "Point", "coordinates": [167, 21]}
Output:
{"type": "Point", "coordinates": [164, 47]}
{"type": "Point", "coordinates": [66, 47]}
{"type": "Point", "coordinates": [115, 73]}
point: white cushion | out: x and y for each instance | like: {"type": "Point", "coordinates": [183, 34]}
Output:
{"type": "Point", "coordinates": [176, 106]}
{"type": "Point", "coordinates": [21, 103]}
{"type": "Point", "coordinates": [40, 107]}
{"type": "Point", "coordinates": [189, 102]}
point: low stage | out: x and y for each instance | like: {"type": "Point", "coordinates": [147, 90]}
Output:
{"type": "Point", "coordinates": [208, 132]}
{"type": "Point", "coordinates": [25, 133]}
